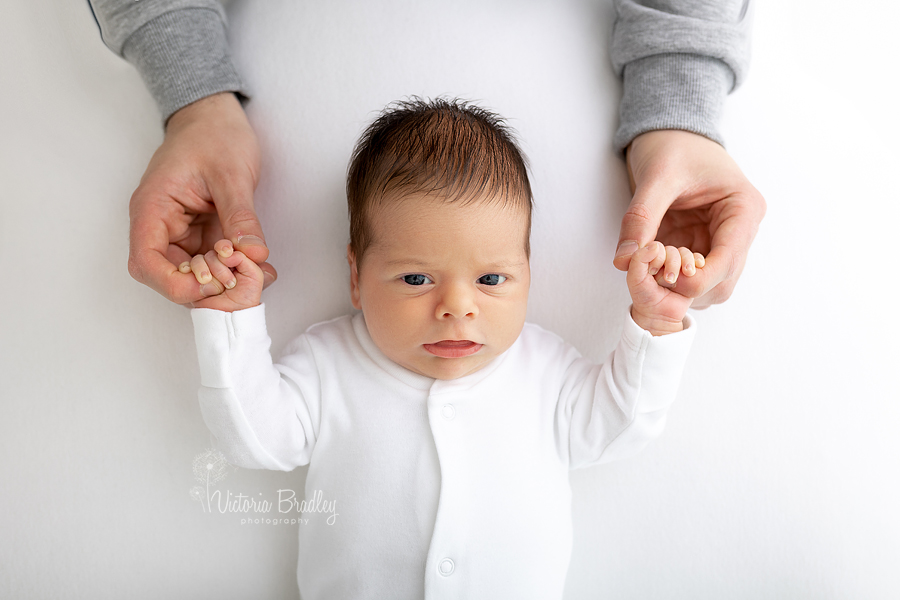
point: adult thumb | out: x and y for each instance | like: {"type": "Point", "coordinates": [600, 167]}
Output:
{"type": "Point", "coordinates": [640, 222]}
{"type": "Point", "coordinates": [234, 204]}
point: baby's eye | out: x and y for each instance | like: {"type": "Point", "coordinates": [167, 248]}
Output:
{"type": "Point", "coordinates": [416, 279]}
{"type": "Point", "coordinates": [492, 279]}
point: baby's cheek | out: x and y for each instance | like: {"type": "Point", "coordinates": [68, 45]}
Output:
{"type": "Point", "coordinates": [510, 321]}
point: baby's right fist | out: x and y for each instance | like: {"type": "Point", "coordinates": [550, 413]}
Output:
{"type": "Point", "coordinates": [652, 274]}
{"type": "Point", "coordinates": [230, 280]}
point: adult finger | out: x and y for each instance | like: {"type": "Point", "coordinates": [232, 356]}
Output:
{"type": "Point", "coordinates": [735, 223]}
{"type": "Point", "coordinates": [148, 261]}
{"type": "Point", "coordinates": [269, 274]}
{"type": "Point", "coordinates": [233, 196]}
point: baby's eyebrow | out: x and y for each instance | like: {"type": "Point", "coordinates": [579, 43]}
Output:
{"type": "Point", "coordinates": [416, 263]}
{"type": "Point", "coordinates": [502, 266]}
{"type": "Point", "coordinates": [406, 262]}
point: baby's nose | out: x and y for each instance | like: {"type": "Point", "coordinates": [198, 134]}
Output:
{"type": "Point", "coordinates": [457, 302]}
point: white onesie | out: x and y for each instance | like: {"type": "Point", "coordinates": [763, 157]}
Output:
{"type": "Point", "coordinates": [443, 489]}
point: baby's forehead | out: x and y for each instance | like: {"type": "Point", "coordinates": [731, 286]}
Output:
{"type": "Point", "coordinates": [487, 228]}
{"type": "Point", "coordinates": [433, 204]}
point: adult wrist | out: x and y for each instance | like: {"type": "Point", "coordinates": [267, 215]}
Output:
{"type": "Point", "coordinates": [217, 107]}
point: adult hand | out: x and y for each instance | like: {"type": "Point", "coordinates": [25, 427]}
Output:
{"type": "Point", "coordinates": [689, 192]}
{"type": "Point", "coordinates": [198, 189]}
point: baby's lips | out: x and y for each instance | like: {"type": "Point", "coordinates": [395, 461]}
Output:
{"type": "Point", "coordinates": [453, 343]}
{"type": "Point", "coordinates": [453, 348]}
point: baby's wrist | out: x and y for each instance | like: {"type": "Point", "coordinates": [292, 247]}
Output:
{"type": "Point", "coordinates": [656, 325]}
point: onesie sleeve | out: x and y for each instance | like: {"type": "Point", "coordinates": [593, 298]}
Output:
{"type": "Point", "coordinates": [678, 60]}
{"type": "Point", "coordinates": [178, 46]}
{"type": "Point", "coordinates": [612, 411]}
{"type": "Point", "coordinates": [262, 415]}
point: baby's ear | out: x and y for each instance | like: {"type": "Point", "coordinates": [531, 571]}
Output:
{"type": "Point", "coordinates": [354, 278]}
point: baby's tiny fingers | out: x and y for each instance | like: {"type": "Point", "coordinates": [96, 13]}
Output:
{"type": "Point", "coordinates": [645, 254]}
{"type": "Point", "coordinates": [224, 248]}
{"type": "Point", "coordinates": [200, 269]}
{"type": "Point", "coordinates": [185, 267]}
{"type": "Point", "coordinates": [659, 259]}
{"type": "Point", "coordinates": [699, 260]}
{"type": "Point", "coordinates": [221, 272]}
{"type": "Point", "coordinates": [687, 261]}
{"type": "Point", "coordinates": [673, 265]}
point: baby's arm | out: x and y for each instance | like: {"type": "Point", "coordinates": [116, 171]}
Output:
{"type": "Point", "coordinates": [238, 279]}
{"type": "Point", "coordinates": [262, 415]}
{"type": "Point", "coordinates": [613, 410]}
{"type": "Point", "coordinates": [655, 307]}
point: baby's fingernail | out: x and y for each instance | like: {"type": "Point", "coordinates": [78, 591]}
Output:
{"type": "Point", "coordinates": [670, 277]}
{"type": "Point", "coordinates": [626, 248]}
{"type": "Point", "coordinates": [231, 284]}
{"type": "Point", "coordinates": [250, 240]}
{"type": "Point", "coordinates": [226, 251]}
{"type": "Point", "coordinates": [209, 289]}
{"type": "Point", "coordinates": [205, 277]}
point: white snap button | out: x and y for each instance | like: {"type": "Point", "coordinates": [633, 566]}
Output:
{"type": "Point", "coordinates": [446, 567]}
{"type": "Point", "coordinates": [448, 411]}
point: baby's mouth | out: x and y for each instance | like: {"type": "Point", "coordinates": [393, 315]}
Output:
{"type": "Point", "coordinates": [453, 348]}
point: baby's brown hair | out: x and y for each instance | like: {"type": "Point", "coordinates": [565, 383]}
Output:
{"type": "Point", "coordinates": [449, 148]}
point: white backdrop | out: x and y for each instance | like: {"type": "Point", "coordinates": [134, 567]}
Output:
{"type": "Point", "coordinates": [777, 476]}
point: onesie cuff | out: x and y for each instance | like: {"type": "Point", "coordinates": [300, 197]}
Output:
{"type": "Point", "coordinates": [217, 333]}
{"type": "Point", "coordinates": [662, 358]}
{"type": "Point", "coordinates": [639, 337]}
{"type": "Point", "coordinates": [182, 55]}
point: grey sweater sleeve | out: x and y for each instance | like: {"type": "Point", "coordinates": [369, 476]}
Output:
{"type": "Point", "coordinates": [178, 46]}
{"type": "Point", "coordinates": [679, 59]}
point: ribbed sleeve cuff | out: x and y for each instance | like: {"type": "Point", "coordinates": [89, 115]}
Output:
{"type": "Point", "coordinates": [673, 91]}
{"type": "Point", "coordinates": [183, 57]}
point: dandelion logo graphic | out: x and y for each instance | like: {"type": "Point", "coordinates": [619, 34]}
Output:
{"type": "Point", "coordinates": [210, 468]}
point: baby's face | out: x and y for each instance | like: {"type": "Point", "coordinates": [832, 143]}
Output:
{"type": "Point", "coordinates": [444, 285]}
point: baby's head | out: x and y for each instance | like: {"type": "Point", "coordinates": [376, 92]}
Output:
{"type": "Point", "coordinates": [440, 221]}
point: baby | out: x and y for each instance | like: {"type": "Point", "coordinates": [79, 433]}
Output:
{"type": "Point", "coordinates": [440, 423]}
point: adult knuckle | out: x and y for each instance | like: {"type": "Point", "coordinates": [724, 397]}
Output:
{"type": "Point", "coordinates": [722, 293]}
{"type": "Point", "coordinates": [242, 215]}
{"type": "Point", "coordinates": [135, 269]}
{"type": "Point", "coordinates": [736, 260]}
{"type": "Point", "coordinates": [762, 205]}
{"type": "Point", "coordinates": [638, 212]}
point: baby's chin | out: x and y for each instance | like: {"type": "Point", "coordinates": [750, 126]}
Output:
{"type": "Point", "coordinates": [446, 369]}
